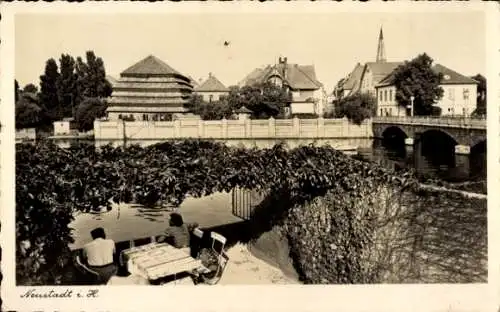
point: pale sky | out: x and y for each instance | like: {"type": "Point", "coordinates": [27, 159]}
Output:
{"type": "Point", "coordinates": [193, 43]}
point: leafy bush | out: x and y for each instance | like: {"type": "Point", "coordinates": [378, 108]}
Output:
{"type": "Point", "coordinates": [89, 110]}
{"type": "Point", "coordinates": [52, 183]}
{"type": "Point", "coordinates": [356, 108]}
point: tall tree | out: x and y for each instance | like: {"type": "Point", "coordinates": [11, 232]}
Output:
{"type": "Point", "coordinates": [48, 90]}
{"type": "Point", "coordinates": [92, 76]}
{"type": "Point", "coordinates": [16, 92]}
{"type": "Point", "coordinates": [416, 78]}
{"type": "Point", "coordinates": [481, 95]}
{"type": "Point", "coordinates": [66, 85]}
{"type": "Point", "coordinates": [30, 88]}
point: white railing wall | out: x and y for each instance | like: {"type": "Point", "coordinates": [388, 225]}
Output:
{"type": "Point", "coordinates": [231, 129]}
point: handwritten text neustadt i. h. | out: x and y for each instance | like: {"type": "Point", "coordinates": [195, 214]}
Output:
{"type": "Point", "coordinates": [67, 293]}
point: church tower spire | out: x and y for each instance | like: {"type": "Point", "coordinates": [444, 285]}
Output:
{"type": "Point", "coordinates": [381, 48]}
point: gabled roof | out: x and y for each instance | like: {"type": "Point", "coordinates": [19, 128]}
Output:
{"type": "Point", "coordinates": [380, 70]}
{"type": "Point", "coordinates": [253, 76]}
{"type": "Point", "coordinates": [353, 78]}
{"type": "Point", "coordinates": [452, 77]}
{"type": "Point", "coordinates": [449, 77]}
{"type": "Point", "coordinates": [296, 76]}
{"type": "Point", "coordinates": [151, 65]}
{"type": "Point", "coordinates": [212, 84]}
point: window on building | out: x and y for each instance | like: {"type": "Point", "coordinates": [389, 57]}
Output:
{"type": "Point", "coordinates": [210, 98]}
{"type": "Point", "coordinates": [146, 117]}
{"type": "Point", "coordinates": [385, 95]}
{"type": "Point", "coordinates": [120, 116]}
{"type": "Point", "coordinates": [390, 95]}
{"type": "Point", "coordinates": [451, 94]}
{"type": "Point", "coordinates": [381, 114]}
{"type": "Point", "coordinates": [380, 95]}
{"type": "Point", "coordinates": [390, 111]}
{"type": "Point", "coordinates": [466, 94]}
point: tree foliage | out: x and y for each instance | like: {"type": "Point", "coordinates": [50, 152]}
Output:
{"type": "Point", "coordinates": [356, 107]}
{"type": "Point", "coordinates": [63, 87]}
{"type": "Point", "coordinates": [52, 183]}
{"type": "Point", "coordinates": [417, 78]}
{"type": "Point", "coordinates": [48, 89]}
{"type": "Point", "coordinates": [30, 88]}
{"type": "Point", "coordinates": [214, 110]}
{"type": "Point", "coordinates": [263, 99]}
{"type": "Point", "coordinates": [481, 107]}
{"type": "Point", "coordinates": [16, 90]}
{"type": "Point", "coordinates": [28, 113]}
{"type": "Point", "coordinates": [91, 79]}
{"type": "Point", "coordinates": [89, 110]}
{"type": "Point", "coordinates": [66, 86]}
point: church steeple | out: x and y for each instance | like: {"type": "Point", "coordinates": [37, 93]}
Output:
{"type": "Point", "coordinates": [381, 48]}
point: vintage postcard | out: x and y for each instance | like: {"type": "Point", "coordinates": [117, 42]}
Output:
{"type": "Point", "coordinates": [250, 156]}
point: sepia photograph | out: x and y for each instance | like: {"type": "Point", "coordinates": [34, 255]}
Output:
{"type": "Point", "coordinates": [285, 148]}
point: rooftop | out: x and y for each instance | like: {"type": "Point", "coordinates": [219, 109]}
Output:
{"type": "Point", "coordinates": [449, 77]}
{"type": "Point", "coordinates": [212, 84]}
{"type": "Point", "coordinates": [296, 76]}
{"type": "Point", "coordinates": [151, 65]}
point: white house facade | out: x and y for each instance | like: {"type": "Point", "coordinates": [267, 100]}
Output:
{"type": "Point", "coordinates": [459, 95]}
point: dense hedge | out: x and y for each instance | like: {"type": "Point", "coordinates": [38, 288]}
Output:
{"type": "Point", "coordinates": [52, 183]}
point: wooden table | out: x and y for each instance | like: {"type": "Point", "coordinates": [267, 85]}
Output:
{"type": "Point", "coordinates": [154, 261]}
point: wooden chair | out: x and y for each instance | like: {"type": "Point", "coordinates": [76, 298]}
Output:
{"type": "Point", "coordinates": [213, 278]}
{"type": "Point", "coordinates": [95, 278]}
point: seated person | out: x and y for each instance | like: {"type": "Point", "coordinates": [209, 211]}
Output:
{"type": "Point", "coordinates": [177, 234]}
{"type": "Point", "coordinates": [99, 254]}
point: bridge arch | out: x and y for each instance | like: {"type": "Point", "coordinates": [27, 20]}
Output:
{"type": "Point", "coordinates": [478, 159]}
{"type": "Point", "coordinates": [438, 148]}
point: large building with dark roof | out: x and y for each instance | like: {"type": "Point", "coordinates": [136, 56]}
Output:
{"type": "Point", "coordinates": [149, 90]}
{"type": "Point", "coordinates": [459, 97]}
{"type": "Point", "coordinates": [300, 80]}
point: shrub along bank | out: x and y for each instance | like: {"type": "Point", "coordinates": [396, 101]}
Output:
{"type": "Point", "coordinates": [385, 236]}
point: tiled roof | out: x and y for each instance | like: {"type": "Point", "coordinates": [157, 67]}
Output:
{"type": "Point", "coordinates": [354, 78]}
{"type": "Point", "coordinates": [151, 65]}
{"type": "Point", "coordinates": [297, 76]}
{"type": "Point", "coordinates": [452, 77]}
{"type": "Point", "coordinates": [382, 69]}
{"type": "Point", "coordinates": [212, 84]}
{"type": "Point", "coordinates": [253, 76]}
{"type": "Point", "coordinates": [449, 77]}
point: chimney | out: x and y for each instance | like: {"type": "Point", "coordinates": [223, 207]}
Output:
{"type": "Point", "coordinates": [209, 75]}
{"type": "Point", "coordinates": [285, 60]}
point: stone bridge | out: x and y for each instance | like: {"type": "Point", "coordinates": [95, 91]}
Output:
{"type": "Point", "coordinates": [462, 134]}
{"type": "Point", "coordinates": [464, 131]}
